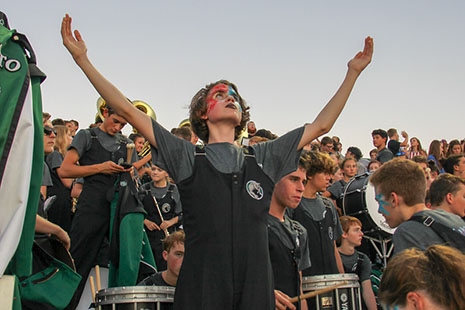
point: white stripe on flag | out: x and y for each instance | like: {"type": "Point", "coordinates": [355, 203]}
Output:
{"type": "Point", "coordinates": [14, 190]}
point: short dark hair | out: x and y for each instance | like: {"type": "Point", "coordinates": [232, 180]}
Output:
{"type": "Point", "coordinates": [327, 140]}
{"type": "Point", "coordinates": [444, 184]}
{"type": "Point", "coordinates": [183, 133]}
{"type": "Point", "coordinates": [265, 133]}
{"type": "Point", "coordinates": [451, 161]}
{"type": "Point", "coordinates": [133, 136]}
{"type": "Point", "coordinates": [380, 132]}
{"type": "Point", "coordinates": [356, 151]}
{"type": "Point", "coordinates": [58, 122]}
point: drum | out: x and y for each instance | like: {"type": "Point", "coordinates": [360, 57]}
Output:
{"type": "Point", "coordinates": [135, 298]}
{"type": "Point", "coordinates": [359, 201]}
{"type": "Point", "coordinates": [344, 297]}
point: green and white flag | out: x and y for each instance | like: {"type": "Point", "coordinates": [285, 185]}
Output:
{"type": "Point", "coordinates": [21, 150]}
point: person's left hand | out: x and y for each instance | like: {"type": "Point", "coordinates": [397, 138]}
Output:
{"type": "Point", "coordinates": [362, 59]}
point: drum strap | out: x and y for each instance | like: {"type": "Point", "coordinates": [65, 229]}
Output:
{"type": "Point", "coordinates": [450, 236]}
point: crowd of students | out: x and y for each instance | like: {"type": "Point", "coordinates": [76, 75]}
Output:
{"type": "Point", "coordinates": [259, 212]}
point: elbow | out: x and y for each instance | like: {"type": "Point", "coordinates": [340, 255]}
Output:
{"type": "Point", "coordinates": [63, 173]}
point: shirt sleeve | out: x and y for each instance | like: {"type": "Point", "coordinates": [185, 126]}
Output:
{"type": "Point", "coordinates": [46, 177]}
{"type": "Point", "coordinates": [54, 160]}
{"type": "Point", "coordinates": [279, 157]}
{"type": "Point", "coordinates": [172, 154]}
{"type": "Point", "coordinates": [177, 200]}
{"type": "Point", "coordinates": [366, 268]}
{"type": "Point", "coordinates": [80, 142]}
{"type": "Point", "coordinates": [305, 259]}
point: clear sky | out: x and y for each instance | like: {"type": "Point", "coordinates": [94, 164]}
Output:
{"type": "Point", "coordinates": [287, 58]}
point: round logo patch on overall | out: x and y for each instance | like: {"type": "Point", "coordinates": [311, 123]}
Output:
{"type": "Point", "coordinates": [166, 207]}
{"type": "Point", "coordinates": [254, 189]}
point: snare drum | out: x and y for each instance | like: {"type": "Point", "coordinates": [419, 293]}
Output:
{"type": "Point", "coordinates": [346, 296]}
{"type": "Point", "coordinates": [359, 201]}
{"type": "Point", "coordinates": [135, 298]}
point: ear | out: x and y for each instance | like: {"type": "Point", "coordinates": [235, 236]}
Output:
{"type": "Point", "coordinates": [449, 198]}
{"type": "Point", "coordinates": [394, 199]}
{"type": "Point", "coordinates": [415, 300]}
{"type": "Point", "coordinates": [105, 113]}
{"type": "Point", "coordinates": [456, 167]}
{"type": "Point", "coordinates": [204, 116]}
{"type": "Point", "coordinates": [165, 255]}
{"type": "Point", "coordinates": [344, 235]}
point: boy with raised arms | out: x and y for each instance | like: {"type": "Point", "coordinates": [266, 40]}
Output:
{"type": "Point", "coordinates": [225, 191]}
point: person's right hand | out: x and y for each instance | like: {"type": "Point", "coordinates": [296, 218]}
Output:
{"type": "Point", "coordinates": [282, 301]}
{"type": "Point", "coordinates": [75, 44]}
{"type": "Point", "coordinates": [151, 225]}
{"type": "Point", "coordinates": [110, 167]}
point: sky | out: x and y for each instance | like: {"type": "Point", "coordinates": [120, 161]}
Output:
{"type": "Point", "coordinates": [286, 57]}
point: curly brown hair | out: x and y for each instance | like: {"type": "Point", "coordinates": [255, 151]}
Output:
{"type": "Point", "coordinates": [318, 162]}
{"type": "Point", "coordinates": [439, 271]}
{"type": "Point", "coordinates": [198, 108]}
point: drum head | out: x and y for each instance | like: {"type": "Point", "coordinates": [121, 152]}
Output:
{"type": "Point", "coordinates": [372, 206]}
{"type": "Point", "coordinates": [359, 201]}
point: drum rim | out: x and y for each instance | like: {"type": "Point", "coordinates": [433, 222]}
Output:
{"type": "Point", "coordinates": [136, 289]}
{"type": "Point", "coordinates": [335, 276]}
{"type": "Point", "coordinates": [134, 294]}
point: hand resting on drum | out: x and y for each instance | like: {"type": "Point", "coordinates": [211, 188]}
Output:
{"type": "Point", "coordinates": [282, 301]}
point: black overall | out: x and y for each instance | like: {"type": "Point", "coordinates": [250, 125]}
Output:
{"type": "Point", "coordinates": [320, 244]}
{"type": "Point", "coordinates": [226, 264]}
{"type": "Point", "coordinates": [166, 205]}
{"type": "Point", "coordinates": [91, 221]}
{"type": "Point", "coordinates": [284, 253]}
{"type": "Point", "coordinates": [60, 212]}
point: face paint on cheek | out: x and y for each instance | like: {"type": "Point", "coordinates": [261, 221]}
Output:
{"type": "Point", "coordinates": [211, 105]}
{"type": "Point", "coordinates": [235, 96]}
{"type": "Point", "coordinates": [382, 203]}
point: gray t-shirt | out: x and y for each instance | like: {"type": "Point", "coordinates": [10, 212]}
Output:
{"type": "Point", "coordinates": [83, 141]}
{"type": "Point", "coordinates": [411, 234]}
{"type": "Point", "coordinates": [176, 156]}
{"type": "Point", "coordinates": [46, 177]}
{"type": "Point", "coordinates": [316, 209]}
{"type": "Point", "coordinates": [384, 155]}
{"type": "Point", "coordinates": [350, 261]}
{"type": "Point", "coordinates": [54, 160]}
{"type": "Point", "coordinates": [160, 192]}
{"type": "Point", "coordinates": [337, 189]}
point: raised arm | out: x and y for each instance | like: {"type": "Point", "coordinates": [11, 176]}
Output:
{"type": "Point", "coordinates": [326, 118]}
{"type": "Point", "coordinates": [114, 98]}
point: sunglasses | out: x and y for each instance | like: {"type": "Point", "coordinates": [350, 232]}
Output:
{"type": "Point", "coordinates": [48, 131]}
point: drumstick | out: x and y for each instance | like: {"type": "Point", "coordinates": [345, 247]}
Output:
{"type": "Point", "coordinates": [161, 216]}
{"type": "Point", "coordinates": [92, 287]}
{"type": "Point", "coordinates": [97, 276]}
{"type": "Point", "coordinates": [130, 149]}
{"type": "Point", "coordinates": [317, 292]}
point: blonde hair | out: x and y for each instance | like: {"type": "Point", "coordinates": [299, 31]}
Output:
{"type": "Point", "coordinates": [62, 139]}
